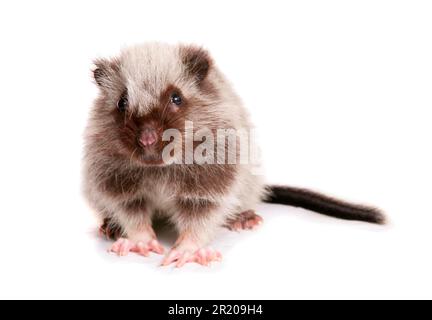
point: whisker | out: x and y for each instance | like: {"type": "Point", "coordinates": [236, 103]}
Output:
{"type": "Point", "coordinates": [165, 111]}
{"type": "Point", "coordinates": [133, 152]}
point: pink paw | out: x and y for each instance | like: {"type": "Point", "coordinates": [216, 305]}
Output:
{"type": "Point", "coordinates": [123, 246]}
{"type": "Point", "coordinates": [202, 256]}
{"type": "Point", "coordinates": [247, 220]}
{"type": "Point", "coordinates": [144, 249]}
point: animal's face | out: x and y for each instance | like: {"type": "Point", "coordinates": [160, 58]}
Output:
{"type": "Point", "coordinates": [147, 90]}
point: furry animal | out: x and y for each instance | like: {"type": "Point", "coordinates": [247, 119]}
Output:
{"type": "Point", "coordinates": [143, 92]}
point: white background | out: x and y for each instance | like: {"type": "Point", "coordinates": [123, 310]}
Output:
{"type": "Point", "coordinates": [340, 92]}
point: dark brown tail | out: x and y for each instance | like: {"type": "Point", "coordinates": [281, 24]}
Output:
{"type": "Point", "coordinates": [310, 200]}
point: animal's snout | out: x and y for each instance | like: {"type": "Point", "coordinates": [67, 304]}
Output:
{"type": "Point", "coordinates": [149, 136]}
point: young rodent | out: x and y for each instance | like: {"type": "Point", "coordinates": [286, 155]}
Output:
{"type": "Point", "coordinates": [145, 92]}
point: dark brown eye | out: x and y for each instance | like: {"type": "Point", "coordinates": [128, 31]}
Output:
{"type": "Point", "coordinates": [176, 99]}
{"type": "Point", "coordinates": [122, 103]}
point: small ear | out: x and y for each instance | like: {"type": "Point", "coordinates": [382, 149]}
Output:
{"type": "Point", "coordinates": [197, 61]}
{"type": "Point", "coordinates": [104, 72]}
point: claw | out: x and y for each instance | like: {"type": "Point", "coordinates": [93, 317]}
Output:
{"type": "Point", "coordinates": [172, 256]}
{"type": "Point", "coordinates": [203, 256]}
{"type": "Point", "coordinates": [156, 247]}
{"type": "Point", "coordinates": [142, 249]}
{"type": "Point", "coordinates": [183, 260]}
{"type": "Point", "coordinates": [123, 246]}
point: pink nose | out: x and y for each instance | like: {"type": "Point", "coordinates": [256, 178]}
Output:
{"type": "Point", "coordinates": [148, 137]}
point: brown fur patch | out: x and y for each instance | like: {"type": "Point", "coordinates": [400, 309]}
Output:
{"type": "Point", "coordinates": [121, 182]}
{"type": "Point", "coordinates": [173, 116]}
{"type": "Point", "coordinates": [195, 207]}
{"type": "Point", "coordinates": [205, 180]}
{"type": "Point", "coordinates": [136, 206]}
{"type": "Point", "coordinates": [110, 230]}
{"type": "Point", "coordinates": [197, 61]}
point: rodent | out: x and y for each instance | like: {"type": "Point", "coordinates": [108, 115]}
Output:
{"type": "Point", "coordinates": [143, 92]}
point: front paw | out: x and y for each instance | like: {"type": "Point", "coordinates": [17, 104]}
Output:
{"type": "Point", "coordinates": [123, 246]}
{"type": "Point", "coordinates": [180, 256]}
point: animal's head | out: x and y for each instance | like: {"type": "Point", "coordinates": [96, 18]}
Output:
{"type": "Point", "coordinates": [149, 89]}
